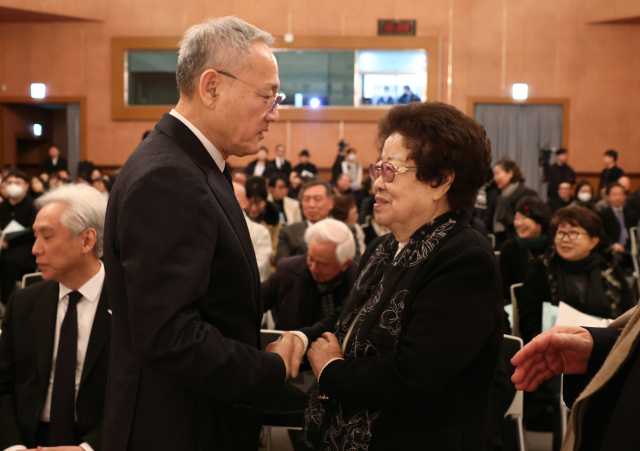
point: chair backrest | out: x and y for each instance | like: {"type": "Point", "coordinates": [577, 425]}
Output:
{"type": "Point", "coordinates": [510, 346]}
{"type": "Point", "coordinates": [30, 279]}
{"type": "Point", "coordinates": [515, 291]}
{"type": "Point", "coordinates": [492, 237]}
{"type": "Point", "coordinates": [634, 233]}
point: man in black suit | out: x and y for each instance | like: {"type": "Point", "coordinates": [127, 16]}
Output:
{"type": "Point", "coordinates": [55, 163]}
{"type": "Point", "coordinates": [54, 347]}
{"type": "Point", "coordinates": [261, 166]}
{"type": "Point", "coordinates": [280, 163]}
{"type": "Point", "coordinates": [307, 288]}
{"type": "Point", "coordinates": [611, 173]}
{"type": "Point", "coordinates": [558, 173]}
{"type": "Point", "coordinates": [186, 371]}
{"type": "Point", "coordinates": [305, 168]}
{"type": "Point", "coordinates": [316, 198]}
{"type": "Point", "coordinates": [617, 220]}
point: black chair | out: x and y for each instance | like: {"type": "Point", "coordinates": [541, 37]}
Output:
{"type": "Point", "coordinates": [30, 279]}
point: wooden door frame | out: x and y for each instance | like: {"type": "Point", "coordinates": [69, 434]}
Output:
{"type": "Point", "coordinates": [50, 99]}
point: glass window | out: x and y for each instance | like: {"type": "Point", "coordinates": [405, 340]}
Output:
{"type": "Point", "coordinates": [151, 77]}
{"type": "Point", "coordinates": [316, 78]}
{"type": "Point", "coordinates": [392, 77]}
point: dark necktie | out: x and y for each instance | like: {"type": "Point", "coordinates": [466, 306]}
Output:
{"type": "Point", "coordinates": [62, 422]}
{"type": "Point", "coordinates": [227, 174]}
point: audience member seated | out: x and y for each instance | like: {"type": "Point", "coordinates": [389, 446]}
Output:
{"type": "Point", "coordinates": [577, 270]}
{"type": "Point", "coordinates": [103, 186]}
{"type": "Point", "coordinates": [18, 212]}
{"type": "Point", "coordinates": [240, 178]}
{"type": "Point", "coordinates": [408, 96]}
{"type": "Point", "coordinates": [262, 211]}
{"type": "Point", "coordinates": [345, 210]}
{"type": "Point", "coordinates": [346, 163]}
{"type": "Point", "coordinates": [295, 182]}
{"type": "Point", "coordinates": [36, 187]}
{"type": "Point", "coordinates": [316, 198]}
{"type": "Point", "coordinates": [45, 178]}
{"type": "Point", "coordinates": [365, 192]}
{"type": "Point", "coordinates": [55, 163]}
{"type": "Point", "coordinates": [96, 174]}
{"type": "Point", "coordinates": [563, 197]}
{"type": "Point", "coordinates": [305, 168]}
{"type": "Point", "coordinates": [532, 240]}
{"type": "Point", "coordinates": [260, 237]}
{"type": "Point", "coordinates": [280, 163]}
{"type": "Point", "coordinates": [584, 195]}
{"type": "Point", "coordinates": [611, 172]}
{"type": "Point", "coordinates": [84, 178]}
{"type": "Point", "coordinates": [57, 399]}
{"type": "Point", "coordinates": [557, 173]}
{"type": "Point", "coordinates": [307, 288]}
{"type": "Point", "coordinates": [617, 220]}
{"type": "Point", "coordinates": [342, 186]}
{"type": "Point", "coordinates": [386, 98]}
{"type": "Point", "coordinates": [261, 166]}
{"type": "Point", "coordinates": [510, 181]}
{"type": "Point", "coordinates": [278, 190]}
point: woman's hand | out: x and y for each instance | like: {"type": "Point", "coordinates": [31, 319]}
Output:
{"type": "Point", "coordinates": [323, 350]}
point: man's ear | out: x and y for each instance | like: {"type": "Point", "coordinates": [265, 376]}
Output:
{"type": "Point", "coordinates": [209, 88]}
{"type": "Point", "coordinates": [345, 266]}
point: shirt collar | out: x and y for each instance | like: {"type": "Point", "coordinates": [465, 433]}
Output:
{"type": "Point", "coordinates": [215, 153]}
{"type": "Point", "coordinates": [90, 290]}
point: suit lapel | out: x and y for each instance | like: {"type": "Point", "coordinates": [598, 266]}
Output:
{"type": "Point", "coordinates": [47, 310]}
{"type": "Point", "coordinates": [100, 333]}
{"type": "Point", "coordinates": [191, 145]}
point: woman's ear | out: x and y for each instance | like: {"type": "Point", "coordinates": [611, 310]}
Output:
{"type": "Point", "coordinates": [442, 189]}
{"type": "Point", "coordinates": [593, 242]}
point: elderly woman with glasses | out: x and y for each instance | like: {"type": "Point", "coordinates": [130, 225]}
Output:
{"type": "Point", "coordinates": [576, 271]}
{"type": "Point", "coordinates": [409, 360]}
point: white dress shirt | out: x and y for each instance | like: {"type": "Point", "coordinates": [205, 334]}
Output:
{"type": "Point", "coordinates": [87, 307]}
{"type": "Point", "coordinates": [279, 162]}
{"type": "Point", "coordinates": [261, 240]}
{"type": "Point", "coordinates": [259, 169]}
{"type": "Point", "coordinates": [215, 153]}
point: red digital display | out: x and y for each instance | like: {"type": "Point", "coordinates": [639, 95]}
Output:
{"type": "Point", "coordinates": [397, 27]}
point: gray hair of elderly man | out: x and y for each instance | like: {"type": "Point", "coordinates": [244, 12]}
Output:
{"type": "Point", "coordinates": [337, 233]}
{"type": "Point", "coordinates": [86, 209]}
{"type": "Point", "coordinates": [220, 44]}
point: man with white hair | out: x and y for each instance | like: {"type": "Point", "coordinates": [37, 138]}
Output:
{"type": "Point", "coordinates": [260, 236]}
{"type": "Point", "coordinates": [187, 372]}
{"type": "Point", "coordinates": [54, 347]}
{"type": "Point", "coordinates": [307, 288]}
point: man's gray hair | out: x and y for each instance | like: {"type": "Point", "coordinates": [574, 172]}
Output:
{"type": "Point", "coordinates": [87, 208]}
{"type": "Point", "coordinates": [337, 233]}
{"type": "Point", "coordinates": [220, 44]}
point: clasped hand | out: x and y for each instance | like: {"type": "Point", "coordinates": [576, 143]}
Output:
{"type": "Point", "coordinates": [291, 348]}
{"type": "Point", "coordinates": [58, 448]}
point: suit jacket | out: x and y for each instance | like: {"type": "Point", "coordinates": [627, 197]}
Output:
{"type": "Point", "coordinates": [291, 209]}
{"type": "Point", "coordinates": [26, 352]}
{"type": "Point", "coordinates": [285, 169]}
{"type": "Point", "coordinates": [612, 226]}
{"type": "Point", "coordinates": [435, 387]}
{"type": "Point", "coordinates": [186, 370]}
{"type": "Point", "coordinates": [269, 169]}
{"type": "Point", "coordinates": [291, 241]}
{"type": "Point", "coordinates": [620, 340]}
{"type": "Point", "coordinates": [290, 292]}
{"type": "Point", "coordinates": [49, 167]}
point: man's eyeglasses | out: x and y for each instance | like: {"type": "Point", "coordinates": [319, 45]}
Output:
{"type": "Point", "coordinates": [278, 97]}
{"type": "Point", "coordinates": [387, 170]}
{"type": "Point", "coordinates": [573, 235]}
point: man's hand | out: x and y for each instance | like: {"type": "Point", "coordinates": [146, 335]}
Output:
{"type": "Point", "coordinates": [322, 350]}
{"type": "Point", "coordinates": [60, 448]}
{"type": "Point", "coordinates": [5, 244]}
{"type": "Point", "coordinates": [284, 347]}
{"type": "Point", "coordinates": [617, 247]}
{"type": "Point", "coordinates": [561, 349]}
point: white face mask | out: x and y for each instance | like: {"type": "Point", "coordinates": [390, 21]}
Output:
{"type": "Point", "coordinates": [352, 157]}
{"type": "Point", "coordinates": [584, 197]}
{"type": "Point", "coordinates": [14, 191]}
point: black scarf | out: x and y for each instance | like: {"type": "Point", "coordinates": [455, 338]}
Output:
{"type": "Point", "coordinates": [379, 294]}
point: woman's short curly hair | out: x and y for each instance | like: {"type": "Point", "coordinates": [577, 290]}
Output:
{"type": "Point", "coordinates": [442, 140]}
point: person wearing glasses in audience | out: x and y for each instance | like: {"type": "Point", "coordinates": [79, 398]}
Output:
{"type": "Point", "coordinates": [409, 360]}
{"type": "Point", "coordinates": [186, 369]}
{"type": "Point", "coordinates": [576, 270]}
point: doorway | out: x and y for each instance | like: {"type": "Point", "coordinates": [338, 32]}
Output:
{"type": "Point", "coordinates": [29, 127]}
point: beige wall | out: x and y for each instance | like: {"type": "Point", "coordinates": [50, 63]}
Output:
{"type": "Point", "coordinates": [494, 43]}
{"type": "Point", "coordinates": [84, 9]}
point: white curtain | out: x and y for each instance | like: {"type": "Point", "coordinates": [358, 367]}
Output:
{"type": "Point", "coordinates": [519, 132]}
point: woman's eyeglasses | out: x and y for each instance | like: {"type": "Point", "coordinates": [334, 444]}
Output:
{"type": "Point", "coordinates": [387, 171]}
{"type": "Point", "coordinates": [573, 235]}
{"type": "Point", "coordinates": [278, 97]}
